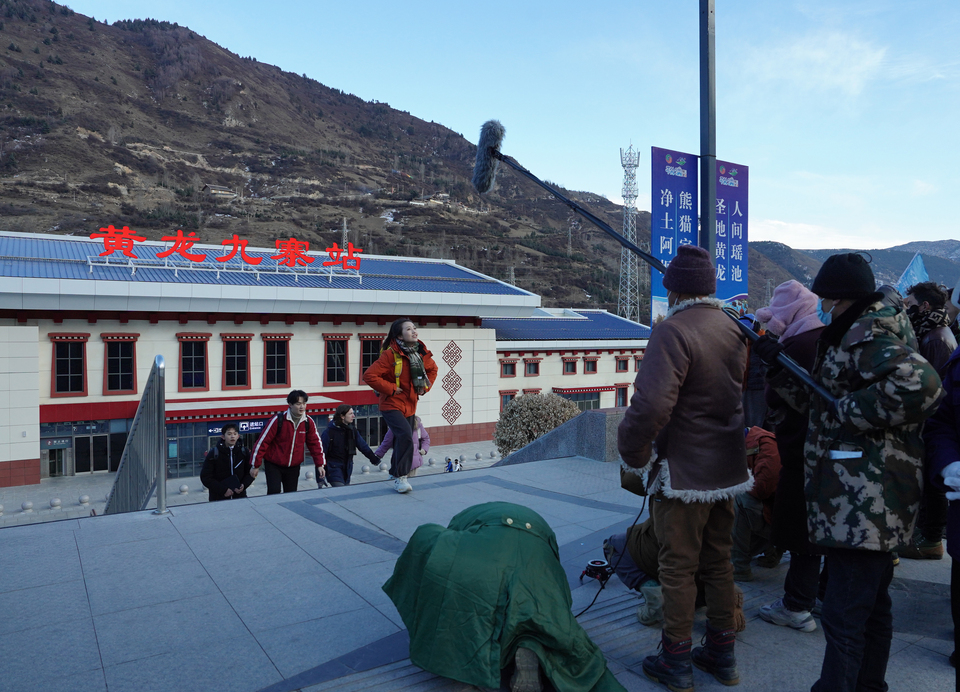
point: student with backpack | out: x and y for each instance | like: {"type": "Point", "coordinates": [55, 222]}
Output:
{"type": "Point", "coordinates": [281, 446]}
{"type": "Point", "coordinates": [341, 441]}
{"type": "Point", "coordinates": [226, 468]}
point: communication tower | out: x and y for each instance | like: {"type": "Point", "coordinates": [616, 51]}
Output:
{"type": "Point", "coordinates": [629, 303]}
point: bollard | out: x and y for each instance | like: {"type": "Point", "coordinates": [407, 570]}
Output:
{"type": "Point", "coordinates": [84, 500]}
{"type": "Point", "coordinates": [55, 503]}
{"type": "Point", "coordinates": [27, 506]}
{"type": "Point", "coordinates": [479, 456]}
{"type": "Point", "coordinates": [365, 468]}
{"type": "Point", "coordinates": [431, 461]}
{"type": "Point", "coordinates": [184, 489]}
{"type": "Point", "coordinates": [493, 455]}
{"type": "Point", "coordinates": [309, 475]}
{"type": "Point", "coordinates": [1, 510]}
{"type": "Point", "coordinates": [384, 466]}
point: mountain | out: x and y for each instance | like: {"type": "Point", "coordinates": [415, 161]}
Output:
{"type": "Point", "coordinates": [128, 124]}
{"type": "Point", "coordinates": [131, 124]}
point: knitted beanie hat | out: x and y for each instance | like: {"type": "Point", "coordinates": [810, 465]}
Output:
{"type": "Point", "coordinates": [691, 272]}
{"type": "Point", "coordinates": [792, 303]}
{"type": "Point", "coordinates": [845, 276]}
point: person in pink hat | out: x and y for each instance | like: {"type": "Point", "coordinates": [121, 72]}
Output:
{"type": "Point", "coordinates": [792, 315]}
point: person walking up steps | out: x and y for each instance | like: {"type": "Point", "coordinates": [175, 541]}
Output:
{"type": "Point", "coordinates": [404, 372]}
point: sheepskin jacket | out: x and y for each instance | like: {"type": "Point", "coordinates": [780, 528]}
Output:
{"type": "Point", "coordinates": [688, 401]}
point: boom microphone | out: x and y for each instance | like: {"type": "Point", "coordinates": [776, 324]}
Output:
{"type": "Point", "coordinates": [485, 172]}
{"type": "Point", "coordinates": [485, 169]}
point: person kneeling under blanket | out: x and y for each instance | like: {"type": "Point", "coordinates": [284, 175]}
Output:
{"type": "Point", "coordinates": [493, 577]}
{"type": "Point", "coordinates": [634, 556]}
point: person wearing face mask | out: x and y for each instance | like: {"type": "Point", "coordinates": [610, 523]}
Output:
{"type": "Point", "coordinates": [684, 431]}
{"type": "Point", "coordinates": [926, 305]}
{"type": "Point", "coordinates": [404, 372]}
{"type": "Point", "coordinates": [862, 461]}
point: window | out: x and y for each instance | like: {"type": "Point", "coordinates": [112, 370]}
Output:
{"type": "Point", "coordinates": [276, 360]}
{"type": "Point", "coordinates": [369, 350]}
{"type": "Point", "coordinates": [508, 368]}
{"type": "Point", "coordinates": [622, 396]}
{"type": "Point", "coordinates": [335, 359]}
{"type": "Point", "coordinates": [506, 397]}
{"type": "Point", "coordinates": [569, 366]}
{"type": "Point", "coordinates": [590, 366]}
{"type": "Point", "coordinates": [531, 367]}
{"type": "Point", "coordinates": [69, 365]}
{"type": "Point", "coordinates": [623, 364]}
{"type": "Point", "coordinates": [236, 361]}
{"type": "Point", "coordinates": [637, 360]}
{"type": "Point", "coordinates": [193, 362]}
{"type": "Point", "coordinates": [584, 400]}
{"type": "Point", "coordinates": [120, 363]}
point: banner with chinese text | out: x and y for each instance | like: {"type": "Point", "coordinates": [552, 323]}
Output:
{"type": "Point", "coordinates": [673, 215]}
{"type": "Point", "coordinates": [733, 182]}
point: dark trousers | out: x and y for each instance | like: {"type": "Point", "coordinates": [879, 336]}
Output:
{"type": "Point", "coordinates": [402, 458]}
{"type": "Point", "coordinates": [751, 532]}
{"type": "Point", "coordinates": [932, 520]}
{"type": "Point", "coordinates": [801, 583]}
{"type": "Point", "coordinates": [857, 622]}
{"type": "Point", "coordinates": [955, 610]}
{"type": "Point", "coordinates": [288, 476]}
{"type": "Point", "coordinates": [695, 536]}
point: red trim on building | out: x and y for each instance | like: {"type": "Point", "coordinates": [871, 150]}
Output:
{"type": "Point", "coordinates": [327, 338]}
{"type": "Point", "coordinates": [193, 337]}
{"type": "Point", "coordinates": [533, 391]}
{"type": "Point", "coordinates": [285, 336]}
{"type": "Point", "coordinates": [577, 390]}
{"type": "Point", "coordinates": [19, 472]}
{"type": "Point", "coordinates": [589, 361]}
{"type": "Point", "coordinates": [505, 362]}
{"type": "Point", "coordinates": [118, 337]}
{"type": "Point", "coordinates": [223, 370]}
{"type": "Point", "coordinates": [67, 337]}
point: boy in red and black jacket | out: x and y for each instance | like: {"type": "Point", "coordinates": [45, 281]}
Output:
{"type": "Point", "coordinates": [281, 445]}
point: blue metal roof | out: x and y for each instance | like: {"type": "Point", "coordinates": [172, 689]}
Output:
{"type": "Point", "coordinates": [58, 257]}
{"type": "Point", "coordinates": [592, 324]}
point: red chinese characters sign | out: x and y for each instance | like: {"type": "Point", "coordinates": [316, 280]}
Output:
{"type": "Point", "coordinates": [291, 252]}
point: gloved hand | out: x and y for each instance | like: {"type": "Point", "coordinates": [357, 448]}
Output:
{"type": "Point", "coordinates": [768, 349]}
{"type": "Point", "coordinates": [951, 478]}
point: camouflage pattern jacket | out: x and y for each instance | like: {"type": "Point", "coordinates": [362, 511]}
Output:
{"type": "Point", "coordinates": [863, 472]}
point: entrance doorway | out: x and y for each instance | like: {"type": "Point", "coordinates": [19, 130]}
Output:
{"type": "Point", "coordinates": [91, 453]}
{"type": "Point", "coordinates": [55, 458]}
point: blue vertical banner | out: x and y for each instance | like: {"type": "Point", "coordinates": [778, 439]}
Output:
{"type": "Point", "coordinates": [673, 215]}
{"type": "Point", "coordinates": [733, 184]}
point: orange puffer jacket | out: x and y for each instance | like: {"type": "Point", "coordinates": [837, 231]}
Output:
{"type": "Point", "coordinates": [383, 378]}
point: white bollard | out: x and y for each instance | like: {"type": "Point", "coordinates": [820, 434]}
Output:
{"type": "Point", "coordinates": [55, 503]}
{"type": "Point", "coordinates": [184, 489]}
{"type": "Point", "coordinates": [479, 456]}
{"type": "Point", "coordinates": [384, 466]}
{"type": "Point", "coordinates": [84, 500]}
{"type": "Point", "coordinates": [365, 468]}
{"type": "Point", "coordinates": [309, 475]}
{"type": "Point", "coordinates": [27, 506]}
{"type": "Point", "coordinates": [1, 510]}
{"type": "Point", "coordinates": [431, 462]}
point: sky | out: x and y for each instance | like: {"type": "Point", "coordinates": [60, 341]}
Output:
{"type": "Point", "coordinates": [845, 111]}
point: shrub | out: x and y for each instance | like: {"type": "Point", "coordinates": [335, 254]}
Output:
{"type": "Point", "coordinates": [529, 417]}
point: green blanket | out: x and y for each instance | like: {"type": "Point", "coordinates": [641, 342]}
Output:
{"type": "Point", "coordinates": [470, 593]}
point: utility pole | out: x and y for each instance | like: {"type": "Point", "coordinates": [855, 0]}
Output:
{"type": "Point", "coordinates": [708, 129]}
{"type": "Point", "coordinates": [629, 303]}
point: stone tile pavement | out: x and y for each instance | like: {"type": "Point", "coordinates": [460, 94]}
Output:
{"type": "Point", "coordinates": [282, 593]}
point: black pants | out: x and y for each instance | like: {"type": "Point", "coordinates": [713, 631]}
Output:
{"type": "Point", "coordinates": [857, 621]}
{"type": "Point", "coordinates": [955, 609]}
{"type": "Point", "coordinates": [402, 458]}
{"type": "Point", "coordinates": [289, 476]}
{"type": "Point", "coordinates": [801, 582]}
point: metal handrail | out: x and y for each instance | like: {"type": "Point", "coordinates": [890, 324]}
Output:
{"type": "Point", "coordinates": [143, 464]}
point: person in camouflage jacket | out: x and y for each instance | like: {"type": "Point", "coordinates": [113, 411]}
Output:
{"type": "Point", "coordinates": [863, 461]}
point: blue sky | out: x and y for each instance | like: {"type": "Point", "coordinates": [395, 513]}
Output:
{"type": "Point", "coordinates": [845, 111]}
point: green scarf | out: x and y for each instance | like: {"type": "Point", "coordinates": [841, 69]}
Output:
{"type": "Point", "coordinates": [417, 369]}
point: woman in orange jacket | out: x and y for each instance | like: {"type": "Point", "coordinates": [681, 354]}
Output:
{"type": "Point", "coordinates": [404, 372]}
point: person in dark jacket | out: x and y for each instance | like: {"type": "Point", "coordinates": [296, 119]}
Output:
{"type": "Point", "coordinates": [792, 315]}
{"type": "Point", "coordinates": [942, 437]}
{"type": "Point", "coordinates": [341, 440]}
{"type": "Point", "coordinates": [227, 461]}
{"type": "Point", "coordinates": [926, 305]}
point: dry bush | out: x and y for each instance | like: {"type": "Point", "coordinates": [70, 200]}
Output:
{"type": "Point", "coordinates": [529, 417]}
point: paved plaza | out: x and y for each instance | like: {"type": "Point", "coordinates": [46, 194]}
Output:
{"type": "Point", "coordinates": [282, 593]}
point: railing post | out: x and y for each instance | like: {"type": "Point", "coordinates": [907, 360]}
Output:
{"type": "Point", "coordinates": [161, 448]}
